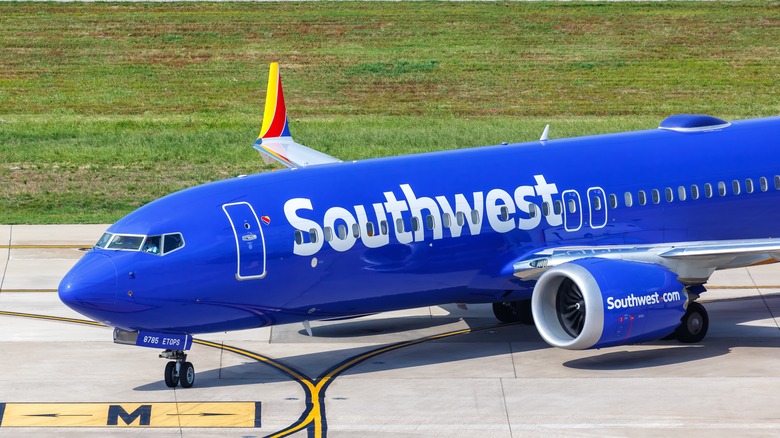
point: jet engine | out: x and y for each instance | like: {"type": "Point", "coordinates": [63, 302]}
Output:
{"type": "Point", "coordinates": [595, 302]}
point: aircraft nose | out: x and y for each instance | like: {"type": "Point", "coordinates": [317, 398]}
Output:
{"type": "Point", "coordinates": [90, 285]}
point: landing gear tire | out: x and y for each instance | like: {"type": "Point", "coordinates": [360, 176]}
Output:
{"type": "Point", "coordinates": [695, 324]}
{"type": "Point", "coordinates": [187, 375]}
{"type": "Point", "coordinates": [514, 311]}
{"type": "Point", "coordinates": [171, 376]}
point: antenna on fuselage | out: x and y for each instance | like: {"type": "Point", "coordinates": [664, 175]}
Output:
{"type": "Point", "coordinates": [546, 131]}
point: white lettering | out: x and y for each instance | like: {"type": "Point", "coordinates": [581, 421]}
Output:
{"type": "Point", "coordinates": [291, 208]}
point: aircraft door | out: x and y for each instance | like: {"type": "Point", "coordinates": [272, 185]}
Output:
{"type": "Point", "coordinates": [597, 203]}
{"type": "Point", "coordinates": [250, 244]}
{"type": "Point", "coordinates": [572, 210]}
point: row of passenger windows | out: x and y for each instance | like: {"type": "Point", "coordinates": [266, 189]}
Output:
{"type": "Point", "coordinates": [341, 231]}
{"type": "Point", "coordinates": [642, 198]}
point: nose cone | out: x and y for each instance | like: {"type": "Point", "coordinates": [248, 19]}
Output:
{"type": "Point", "coordinates": [90, 285]}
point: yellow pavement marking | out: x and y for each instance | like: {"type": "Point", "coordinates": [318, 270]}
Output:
{"type": "Point", "coordinates": [166, 414]}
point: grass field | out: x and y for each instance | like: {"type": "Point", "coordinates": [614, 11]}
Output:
{"type": "Point", "coordinates": [104, 107]}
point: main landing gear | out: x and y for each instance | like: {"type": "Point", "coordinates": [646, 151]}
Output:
{"type": "Point", "coordinates": [514, 311]}
{"type": "Point", "coordinates": [178, 370]}
{"type": "Point", "coordinates": [694, 324]}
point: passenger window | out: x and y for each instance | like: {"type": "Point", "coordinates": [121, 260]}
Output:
{"type": "Point", "coordinates": [642, 197]}
{"type": "Point", "coordinates": [298, 237]}
{"type": "Point", "coordinates": [721, 188]}
{"type": "Point", "coordinates": [342, 232]}
{"type": "Point", "coordinates": [313, 235]}
{"type": "Point", "coordinates": [656, 196]}
{"type": "Point", "coordinates": [545, 209]}
{"type": "Point", "coordinates": [572, 206]}
{"type": "Point", "coordinates": [328, 232]}
{"type": "Point", "coordinates": [558, 206]}
{"type": "Point", "coordinates": [681, 194]}
{"type": "Point", "coordinates": [383, 227]}
{"type": "Point", "coordinates": [474, 217]}
{"type": "Point", "coordinates": [355, 231]}
{"type": "Point", "coordinates": [152, 245]}
{"type": "Point", "coordinates": [415, 223]}
{"type": "Point", "coordinates": [628, 199]}
{"type": "Point", "coordinates": [429, 223]}
{"type": "Point", "coordinates": [504, 213]}
{"type": "Point", "coordinates": [763, 183]}
{"type": "Point", "coordinates": [369, 229]}
{"type": "Point", "coordinates": [461, 218]}
{"type": "Point", "coordinates": [669, 194]}
{"type": "Point", "coordinates": [612, 200]}
{"type": "Point", "coordinates": [399, 225]}
{"type": "Point", "coordinates": [708, 190]}
{"type": "Point", "coordinates": [596, 202]}
{"type": "Point", "coordinates": [532, 210]}
{"type": "Point", "coordinates": [777, 182]}
{"type": "Point", "coordinates": [695, 191]}
{"type": "Point", "coordinates": [749, 185]}
{"type": "Point", "coordinates": [446, 220]}
{"type": "Point", "coordinates": [736, 187]}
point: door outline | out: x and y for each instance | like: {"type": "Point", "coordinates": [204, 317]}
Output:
{"type": "Point", "coordinates": [247, 239]}
{"type": "Point", "coordinates": [567, 214]}
{"type": "Point", "coordinates": [598, 192]}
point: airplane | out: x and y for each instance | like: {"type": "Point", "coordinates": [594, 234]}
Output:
{"type": "Point", "coordinates": [599, 241]}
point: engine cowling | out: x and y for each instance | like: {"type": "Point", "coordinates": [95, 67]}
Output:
{"type": "Point", "coordinates": [594, 303]}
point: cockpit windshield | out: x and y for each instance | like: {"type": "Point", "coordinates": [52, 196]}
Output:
{"type": "Point", "coordinates": [157, 245]}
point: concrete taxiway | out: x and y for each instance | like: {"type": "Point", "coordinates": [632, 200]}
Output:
{"type": "Point", "coordinates": [439, 371]}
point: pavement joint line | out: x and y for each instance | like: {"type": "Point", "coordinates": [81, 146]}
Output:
{"type": "Point", "coordinates": [36, 246]}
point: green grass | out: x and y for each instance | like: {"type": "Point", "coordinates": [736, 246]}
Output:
{"type": "Point", "coordinates": [104, 107]}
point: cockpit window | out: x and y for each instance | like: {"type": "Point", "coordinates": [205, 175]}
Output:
{"type": "Point", "coordinates": [172, 242]}
{"type": "Point", "coordinates": [152, 245]}
{"type": "Point", "coordinates": [120, 241]}
{"type": "Point", "coordinates": [157, 245]}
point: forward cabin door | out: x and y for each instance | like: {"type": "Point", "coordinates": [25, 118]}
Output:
{"type": "Point", "coordinates": [250, 244]}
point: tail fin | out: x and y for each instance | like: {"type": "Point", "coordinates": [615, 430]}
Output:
{"type": "Point", "coordinates": [275, 141]}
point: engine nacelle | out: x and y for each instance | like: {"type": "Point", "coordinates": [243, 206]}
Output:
{"type": "Point", "coordinates": [594, 303]}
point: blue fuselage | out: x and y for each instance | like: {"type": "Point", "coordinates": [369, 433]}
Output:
{"type": "Point", "coordinates": [383, 234]}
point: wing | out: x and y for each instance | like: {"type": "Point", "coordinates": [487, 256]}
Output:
{"type": "Point", "coordinates": [275, 141]}
{"type": "Point", "coordinates": [693, 262]}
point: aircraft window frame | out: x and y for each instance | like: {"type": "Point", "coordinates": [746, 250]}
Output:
{"type": "Point", "coordinates": [429, 222]}
{"type": "Point", "coordinates": [460, 217]}
{"type": "Point", "coordinates": [532, 210]}
{"type": "Point", "coordinates": [749, 187]}
{"type": "Point", "coordinates": [557, 207]}
{"type": "Point", "coordinates": [708, 190]}
{"type": "Point", "coordinates": [504, 213]}
{"type": "Point", "coordinates": [694, 191]}
{"type": "Point", "coordinates": [682, 193]}
{"type": "Point", "coordinates": [446, 220]}
{"type": "Point", "coordinates": [341, 232]}
{"type": "Point", "coordinates": [415, 223]}
{"type": "Point", "coordinates": [384, 228]}
{"type": "Point", "coordinates": [628, 199]}
{"type": "Point", "coordinates": [721, 188]}
{"type": "Point", "coordinates": [156, 249]}
{"type": "Point", "coordinates": [356, 230]}
{"type": "Point", "coordinates": [104, 239]}
{"type": "Point", "coordinates": [596, 202]}
{"type": "Point", "coordinates": [313, 237]}
{"type": "Point", "coordinates": [571, 206]}
{"type": "Point", "coordinates": [119, 240]}
{"type": "Point", "coordinates": [669, 194]}
{"type": "Point", "coordinates": [763, 183]}
{"type": "Point", "coordinates": [399, 225]}
{"type": "Point", "coordinates": [642, 197]}
{"type": "Point", "coordinates": [545, 209]}
{"type": "Point", "coordinates": [474, 217]}
{"type": "Point", "coordinates": [777, 182]}
{"type": "Point", "coordinates": [298, 237]}
{"type": "Point", "coordinates": [327, 233]}
{"type": "Point", "coordinates": [180, 245]}
{"type": "Point", "coordinates": [370, 229]}
{"type": "Point", "coordinates": [613, 202]}
{"type": "Point", "coordinates": [736, 187]}
{"type": "Point", "coordinates": [656, 195]}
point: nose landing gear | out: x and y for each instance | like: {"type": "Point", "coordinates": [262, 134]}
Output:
{"type": "Point", "coordinates": [178, 370]}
